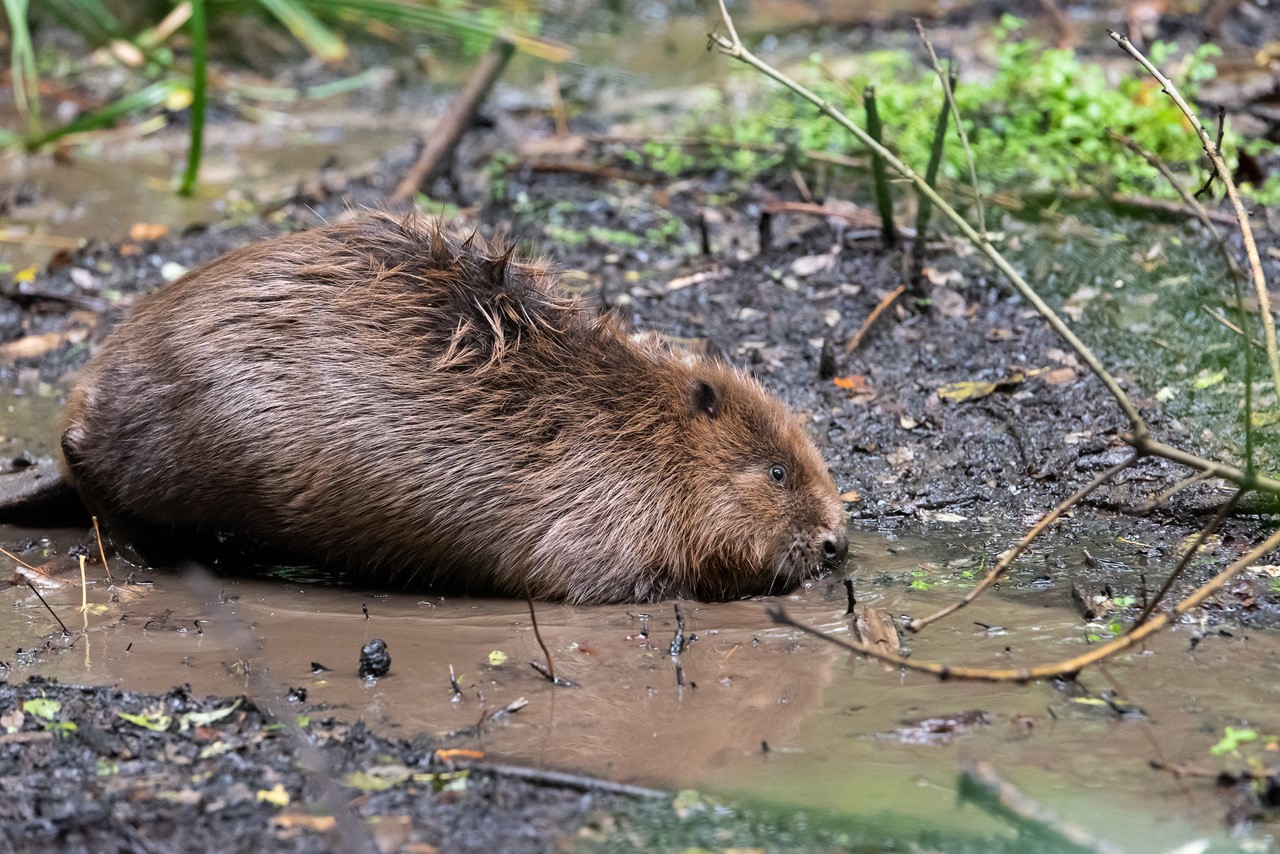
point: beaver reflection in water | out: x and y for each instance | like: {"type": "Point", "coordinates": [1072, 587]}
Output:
{"type": "Point", "coordinates": [427, 409]}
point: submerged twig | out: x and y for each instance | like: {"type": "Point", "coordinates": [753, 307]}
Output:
{"type": "Point", "coordinates": [65, 631]}
{"type": "Point", "coordinates": [1069, 667]}
{"type": "Point", "coordinates": [981, 785]}
{"type": "Point", "coordinates": [550, 671]}
{"type": "Point", "coordinates": [1205, 533]}
{"type": "Point", "coordinates": [1014, 553]}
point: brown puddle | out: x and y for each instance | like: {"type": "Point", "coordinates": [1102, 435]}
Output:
{"type": "Point", "coordinates": [836, 727]}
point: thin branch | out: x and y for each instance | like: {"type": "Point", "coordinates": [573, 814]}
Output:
{"type": "Point", "coordinates": [1147, 445]}
{"type": "Point", "coordinates": [945, 79]}
{"type": "Point", "coordinates": [1205, 533]}
{"type": "Point", "coordinates": [1201, 212]}
{"type": "Point", "coordinates": [880, 309]}
{"type": "Point", "coordinates": [735, 49]}
{"type": "Point", "coordinates": [1151, 504]}
{"type": "Point", "coordinates": [1002, 566]}
{"type": "Point", "coordinates": [1242, 216]}
{"type": "Point", "coordinates": [1069, 667]}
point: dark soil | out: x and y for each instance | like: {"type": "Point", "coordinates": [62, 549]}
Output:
{"type": "Point", "coordinates": [86, 779]}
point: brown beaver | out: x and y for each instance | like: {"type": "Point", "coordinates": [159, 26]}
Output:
{"type": "Point", "coordinates": [426, 408]}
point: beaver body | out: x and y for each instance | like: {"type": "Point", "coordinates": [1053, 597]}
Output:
{"type": "Point", "coordinates": [429, 410]}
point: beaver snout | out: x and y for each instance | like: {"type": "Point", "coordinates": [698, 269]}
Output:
{"type": "Point", "coordinates": [835, 549]}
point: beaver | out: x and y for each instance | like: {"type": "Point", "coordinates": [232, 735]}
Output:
{"type": "Point", "coordinates": [425, 408]}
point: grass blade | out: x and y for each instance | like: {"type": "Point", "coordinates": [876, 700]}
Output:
{"type": "Point", "coordinates": [26, 83]}
{"type": "Point", "coordinates": [105, 117]}
{"type": "Point", "coordinates": [306, 28]}
{"type": "Point", "coordinates": [199, 66]}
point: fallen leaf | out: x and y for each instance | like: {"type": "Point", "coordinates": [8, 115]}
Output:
{"type": "Point", "coordinates": [859, 387]}
{"type": "Point", "coordinates": [34, 346]}
{"type": "Point", "coordinates": [959, 392]}
{"type": "Point", "coordinates": [200, 719]}
{"type": "Point", "coordinates": [317, 823]}
{"type": "Point", "coordinates": [899, 458]}
{"type": "Point", "coordinates": [276, 795]}
{"type": "Point", "coordinates": [875, 627]}
{"type": "Point", "coordinates": [155, 723]}
{"type": "Point", "coordinates": [810, 264]}
{"type": "Point", "coordinates": [454, 753]}
{"type": "Point", "coordinates": [851, 497]}
{"type": "Point", "coordinates": [140, 231]}
{"type": "Point", "coordinates": [497, 658]}
{"type": "Point", "coordinates": [1059, 376]}
{"type": "Point", "coordinates": [1076, 303]}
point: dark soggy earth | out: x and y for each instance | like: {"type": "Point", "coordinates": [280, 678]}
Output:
{"type": "Point", "coordinates": [682, 258]}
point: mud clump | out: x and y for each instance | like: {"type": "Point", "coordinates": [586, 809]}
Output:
{"type": "Point", "coordinates": [427, 409]}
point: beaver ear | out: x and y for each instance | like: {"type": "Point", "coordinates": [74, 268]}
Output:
{"type": "Point", "coordinates": [706, 399]}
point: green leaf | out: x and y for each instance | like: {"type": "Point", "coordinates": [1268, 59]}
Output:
{"type": "Point", "coordinates": [191, 719]}
{"type": "Point", "coordinates": [1232, 738]}
{"type": "Point", "coordinates": [155, 723]}
{"type": "Point", "coordinates": [42, 707]}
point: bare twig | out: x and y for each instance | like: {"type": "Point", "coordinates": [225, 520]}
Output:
{"type": "Point", "coordinates": [1190, 200]}
{"type": "Point", "coordinates": [881, 307]}
{"type": "Point", "coordinates": [981, 785]}
{"type": "Point", "coordinates": [1147, 445]}
{"type": "Point", "coordinates": [1151, 504]}
{"type": "Point", "coordinates": [1242, 216]}
{"type": "Point", "coordinates": [945, 80]}
{"type": "Point", "coordinates": [97, 533]}
{"type": "Point", "coordinates": [65, 631]}
{"type": "Point", "coordinates": [1192, 550]}
{"type": "Point", "coordinates": [735, 49]}
{"type": "Point", "coordinates": [550, 672]}
{"type": "Point", "coordinates": [1070, 666]}
{"type": "Point", "coordinates": [1002, 566]}
{"type": "Point", "coordinates": [448, 131]}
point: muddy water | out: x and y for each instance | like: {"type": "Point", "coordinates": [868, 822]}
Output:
{"type": "Point", "coordinates": [833, 725]}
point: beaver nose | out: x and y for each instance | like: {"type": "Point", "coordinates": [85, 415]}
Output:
{"type": "Point", "coordinates": [835, 548]}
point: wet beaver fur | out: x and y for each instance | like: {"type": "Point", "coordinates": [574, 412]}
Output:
{"type": "Point", "coordinates": [427, 409]}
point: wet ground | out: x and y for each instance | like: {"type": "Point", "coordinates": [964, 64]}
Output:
{"type": "Point", "coordinates": [823, 749]}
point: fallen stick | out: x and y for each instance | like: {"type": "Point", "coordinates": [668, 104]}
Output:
{"type": "Point", "coordinates": [447, 133]}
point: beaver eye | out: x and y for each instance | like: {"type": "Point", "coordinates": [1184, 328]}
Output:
{"type": "Point", "coordinates": [778, 473]}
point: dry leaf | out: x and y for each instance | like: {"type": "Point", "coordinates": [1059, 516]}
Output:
{"type": "Point", "coordinates": [317, 823]}
{"type": "Point", "coordinates": [553, 146]}
{"type": "Point", "coordinates": [1076, 303]}
{"type": "Point", "coordinates": [949, 303]}
{"type": "Point", "coordinates": [850, 497]}
{"type": "Point", "coordinates": [858, 386]}
{"type": "Point", "coordinates": [141, 231]}
{"type": "Point", "coordinates": [1059, 376]}
{"type": "Point", "coordinates": [34, 346]}
{"type": "Point", "coordinates": [810, 264]}
{"type": "Point", "coordinates": [874, 627]}
{"type": "Point", "coordinates": [977, 389]}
